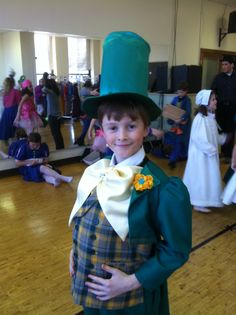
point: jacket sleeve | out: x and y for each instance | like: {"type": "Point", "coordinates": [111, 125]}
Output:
{"type": "Point", "coordinates": [188, 109]}
{"type": "Point", "coordinates": [173, 218]}
{"type": "Point", "coordinates": [200, 137]}
{"type": "Point", "coordinates": [47, 90]}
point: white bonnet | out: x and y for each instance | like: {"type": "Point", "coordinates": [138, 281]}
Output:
{"type": "Point", "coordinates": [202, 97]}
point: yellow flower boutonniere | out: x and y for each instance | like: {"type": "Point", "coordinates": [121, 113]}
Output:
{"type": "Point", "coordinates": [142, 182]}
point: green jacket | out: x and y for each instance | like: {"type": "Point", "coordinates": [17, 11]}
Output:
{"type": "Point", "coordinates": [161, 216]}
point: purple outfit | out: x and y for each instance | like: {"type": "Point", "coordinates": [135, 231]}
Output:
{"type": "Point", "coordinates": [32, 173]}
{"type": "Point", "coordinates": [38, 94]}
{"type": "Point", "coordinates": [14, 147]}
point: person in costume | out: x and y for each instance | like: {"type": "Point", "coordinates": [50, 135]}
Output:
{"type": "Point", "coordinates": [27, 116]}
{"type": "Point", "coordinates": [21, 138]}
{"type": "Point", "coordinates": [11, 100]}
{"type": "Point", "coordinates": [32, 160]}
{"type": "Point", "coordinates": [131, 222]}
{"type": "Point", "coordinates": [178, 136]}
{"type": "Point", "coordinates": [229, 193]}
{"type": "Point", "coordinates": [203, 156]}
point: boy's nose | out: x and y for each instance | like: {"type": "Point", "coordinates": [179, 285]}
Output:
{"type": "Point", "coordinates": [122, 134]}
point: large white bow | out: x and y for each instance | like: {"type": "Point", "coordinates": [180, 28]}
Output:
{"type": "Point", "coordinates": [113, 186]}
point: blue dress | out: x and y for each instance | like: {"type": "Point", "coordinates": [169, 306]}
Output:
{"type": "Point", "coordinates": [14, 147]}
{"type": "Point", "coordinates": [10, 102]}
{"type": "Point", "coordinates": [32, 172]}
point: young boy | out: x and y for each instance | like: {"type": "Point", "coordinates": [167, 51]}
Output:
{"type": "Point", "coordinates": [178, 136]}
{"type": "Point", "coordinates": [131, 223]}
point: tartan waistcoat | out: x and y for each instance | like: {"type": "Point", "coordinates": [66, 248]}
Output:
{"type": "Point", "coordinates": [96, 243]}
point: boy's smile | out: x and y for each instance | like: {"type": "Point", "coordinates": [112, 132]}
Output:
{"type": "Point", "coordinates": [124, 137]}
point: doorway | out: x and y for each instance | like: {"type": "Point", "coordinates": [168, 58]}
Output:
{"type": "Point", "coordinates": [210, 60]}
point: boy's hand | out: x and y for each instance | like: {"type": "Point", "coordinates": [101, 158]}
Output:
{"type": "Point", "coordinates": [105, 289]}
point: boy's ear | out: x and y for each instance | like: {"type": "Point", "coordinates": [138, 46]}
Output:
{"type": "Point", "coordinates": [146, 131]}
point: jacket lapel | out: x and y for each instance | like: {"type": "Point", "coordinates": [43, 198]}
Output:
{"type": "Point", "coordinates": [137, 194]}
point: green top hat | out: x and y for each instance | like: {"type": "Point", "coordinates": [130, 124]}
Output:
{"type": "Point", "coordinates": [124, 73]}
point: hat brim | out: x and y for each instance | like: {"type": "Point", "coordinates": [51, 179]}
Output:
{"type": "Point", "coordinates": [91, 104]}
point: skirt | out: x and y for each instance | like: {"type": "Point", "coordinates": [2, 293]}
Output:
{"type": "Point", "coordinates": [34, 122]}
{"type": "Point", "coordinates": [7, 130]}
{"type": "Point", "coordinates": [31, 173]}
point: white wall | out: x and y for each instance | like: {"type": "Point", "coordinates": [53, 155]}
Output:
{"type": "Point", "coordinates": [212, 22]}
{"type": "Point", "coordinates": [1, 62]}
{"type": "Point", "coordinates": [152, 19]}
{"type": "Point", "coordinates": [12, 53]}
{"type": "Point", "coordinates": [62, 63]}
{"type": "Point", "coordinates": [196, 26]}
{"type": "Point", "coordinates": [187, 35]}
{"type": "Point", "coordinates": [96, 55]}
{"type": "Point", "coordinates": [28, 56]}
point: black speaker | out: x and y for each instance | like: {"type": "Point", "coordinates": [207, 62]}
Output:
{"type": "Point", "coordinates": [232, 22]}
{"type": "Point", "coordinates": [158, 73]}
{"type": "Point", "coordinates": [191, 74]}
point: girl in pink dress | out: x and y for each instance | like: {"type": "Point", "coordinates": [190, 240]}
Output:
{"type": "Point", "coordinates": [27, 116]}
{"type": "Point", "coordinates": [11, 100]}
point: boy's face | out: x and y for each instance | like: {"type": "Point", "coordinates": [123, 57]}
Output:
{"type": "Point", "coordinates": [181, 93]}
{"type": "Point", "coordinates": [34, 145]}
{"type": "Point", "coordinates": [124, 137]}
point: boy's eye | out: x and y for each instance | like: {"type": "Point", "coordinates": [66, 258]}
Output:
{"type": "Point", "coordinates": [132, 126]}
{"type": "Point", "coordinates": [112, 128]}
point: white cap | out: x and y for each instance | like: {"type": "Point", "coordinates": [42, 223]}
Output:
{"type": "Point", "coordinates": [202, 97]}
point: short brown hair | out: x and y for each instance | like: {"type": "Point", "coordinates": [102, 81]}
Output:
{"type": "Point", "coordinates": [183, 85]}
{"type": "Point", "coordinates": [21, 133]}
{"type": "Point", "coordinates": [117, 108]}
{"type": "Point", "coordinates": [34, 137]}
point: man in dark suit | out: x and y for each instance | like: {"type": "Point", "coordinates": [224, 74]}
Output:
{"type": "Point", "coordinates": [224, 84]}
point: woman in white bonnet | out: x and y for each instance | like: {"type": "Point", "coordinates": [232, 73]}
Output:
{"type": "Point", "coordinates": [202, 173]}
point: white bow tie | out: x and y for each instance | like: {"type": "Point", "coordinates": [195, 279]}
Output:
{"type": "Point", "coordinates": [113, 186]}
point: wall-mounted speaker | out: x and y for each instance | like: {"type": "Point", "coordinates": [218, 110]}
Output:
{"type": "Point", "coordinates": [158, 74]}
{"type": "Point", "coordinates": [191, 74]}
{"type": "Point", "coordinates": [232, 22]}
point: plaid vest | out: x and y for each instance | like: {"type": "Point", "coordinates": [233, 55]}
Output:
{"type": "Point", "coordinates": [96, 243]}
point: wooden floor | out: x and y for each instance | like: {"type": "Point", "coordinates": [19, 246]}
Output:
{"type": "Point", "coordinates": [35, 244]}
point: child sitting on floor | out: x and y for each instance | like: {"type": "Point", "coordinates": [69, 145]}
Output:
{"type": "Point", "coordinates": [32, 160]}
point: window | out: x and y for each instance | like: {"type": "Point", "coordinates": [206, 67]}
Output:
{"type": "Point", "coordinates": [43, 53]}
{"type": "Point", "coordinates": [79, 57]}
{"type": "Point", "coordinates": [78, 50]}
